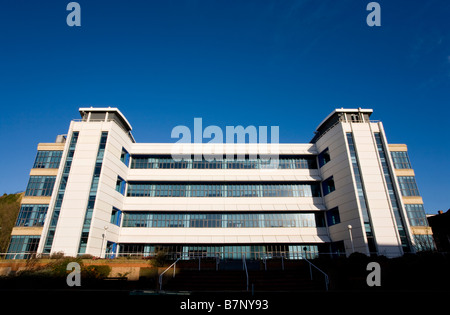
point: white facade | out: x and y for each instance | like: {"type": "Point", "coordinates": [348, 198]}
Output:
{"type": "Point", "coordinates": [345, 196]}
{"type": "Point", "coordinates": [330, 238]}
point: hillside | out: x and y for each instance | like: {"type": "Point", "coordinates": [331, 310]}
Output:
{"type": "Point", "coordinates": [9, 209]}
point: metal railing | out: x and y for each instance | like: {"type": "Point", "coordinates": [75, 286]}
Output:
{"type": "Point", "coordinates": [162, 273]}
{"type": "Point", "coordinates": [23, 255]}
{"type": "Point", "coordinates": [217, 256]}
{"type": "Point", "coordinates": [173, 255]}
{"type": "Point", "coordinates": [244, 266]}
{"type": "Point", "coordinates": [327, 281]}
{"type": "Point", "coordinates": [303, 257]}
{"type": "Point", "coordinates": [217, 262]}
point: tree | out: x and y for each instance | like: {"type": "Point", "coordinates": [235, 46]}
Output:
{"type": "Point", "coordinates": [9, 209]}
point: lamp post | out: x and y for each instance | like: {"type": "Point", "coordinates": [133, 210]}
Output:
{"type": "Point", "coordinates": [103, 242]}
{"type": "Point", "coordinates": [351, 237]}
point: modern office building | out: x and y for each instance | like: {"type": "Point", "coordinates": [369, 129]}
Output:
{"type": "Point", "coordinates": [97, 191]}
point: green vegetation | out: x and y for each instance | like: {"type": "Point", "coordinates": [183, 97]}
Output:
{"type": "Point", "coordinates": [57, 268]}
{"type": "Point", "coordinates": [160, 259]}
{"type": "Point", "coordinates": [52, 273]}
{"type": "Point", "coordinates": [9, 209]}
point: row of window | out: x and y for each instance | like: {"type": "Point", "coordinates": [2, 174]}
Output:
{"type": "Point", "coordinates": [32, 215]}
{"type": "Point", "coordinates": [392, 195]}
{"type": "Point", "coordinates": [60, 193]}
{"type": "Point", "coordinates": [125, 157]}
{"type": "Point", "coordinates": [40, 186]}
{"type": "Point", "coordinates": [324, 157]}
{"type": "Point", "coordinates": [400, 160]}
{"type": "Point", "coordinates": [408, 186]}
{"type": "Point", "coordinates": [22, 246]}
{"type": "Point", "coordinates": [47, 159]}
{"type": "Point", "coordinates": [424, 242]}
{"type": "Point", "coordinates": [219, 220]}
{"type": "Point", "coordinates": [328, 186]}
{"type": "Point", "coordinates": [151, 162]}
{"type": "Point", "coordinates": [92, 193]}
{"type": "Point", "coordinates": [361, 193]}
{"type": "Point", "coordinates": [222, 190]}
{"type": "Point", "coordinates": [295, 251]}
{"type": "Point", "coordinates": [416, 214]}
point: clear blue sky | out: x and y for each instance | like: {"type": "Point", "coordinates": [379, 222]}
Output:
{"type": "Point", "coordinates": [242, 62]}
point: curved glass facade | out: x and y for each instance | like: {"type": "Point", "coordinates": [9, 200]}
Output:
{"type": "Point", "coordinates": [231, 251]}
{"type": "Point", "coordinates": [222, 220]}
{"type": "Point", "coordinates": [214, 189]}
{"type": "Point", "coordinates": [283, 162]}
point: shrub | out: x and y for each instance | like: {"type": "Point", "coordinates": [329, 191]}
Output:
{"type": "Point", "coordinates": [96, 272]}
{"type": "Point", "coordinates": [159, 259]}
{"type": "Point", "coordinates": [59, 267]}
{"type": "Point", "coordinates": [87, 256]}
{"type": "Point", "coordinates": [57, 255]}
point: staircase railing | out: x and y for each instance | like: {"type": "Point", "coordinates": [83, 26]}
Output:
{"type": "Point", "coordinates": [217, 261]}
{"type": "Point", "coordinates": [327, 281]}
{"type": "Point", "coordinates": [244, 266]}
{"type": "Point", "coordinates": [162, 273]}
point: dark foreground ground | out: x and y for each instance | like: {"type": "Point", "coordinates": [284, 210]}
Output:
{"type": "Point", "coordinates": [408, 283]}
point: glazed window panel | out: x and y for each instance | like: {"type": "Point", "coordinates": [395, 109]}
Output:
{"type": "Point", "coordinates": [22, 246]}
{"type": "Point", "coordinates": [416, 214]}
{"type": "Point", "coordinates": [408, 186]}
{"type": "Point", "coordinates": [40, 186]}
{"type": "Point", "coordinates": [136, 189]}
{"type": "Point", "coordinates": [283, 162]}
{"type": "Point", "coordinates": [48, 159]}
{"type": "Point", "coordinates": [401, 160]}
{"type": "Point", "coordinates": [32, 215]}
{"type": "Point", "coordinates": [221, 220]}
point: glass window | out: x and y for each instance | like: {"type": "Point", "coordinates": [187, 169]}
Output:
{"type": "Point", "coordinates": [22, 246]}
{"type": "Point", "coordinates": [116, 216]}
{"type": "Point", "coordinates": [401, 160]}
{"type": "Point", "coordinates": [40, 186]}
{"type": "Point", "coordinates": [47, 159]}
{"type": "Point", "coordinates": [324, 157]}
{"type": "Point", "coordinates": [328, 186]}
{"type": "Point", "coordinates": [219, 220]}
{"type": "Point", "coordinates": [392, 195]}
{"type": "Point", "coordinates": [289, 162]}
{"type": "Point", "coordinates": [125, 157]}
{"type": "Point", "coordinates": [416, 214]}
{"type": "Point", "coordinates": [408, 186]}
{"type": "Point", "coordinates": [158, 189]}
{"type": "Point", "coordinates": [60, 193]}
{"type": "Point", "coordinates": [191, 251]}
{"type": "Point", "coordinates": [355, 118]}
{"type": "Point", "coordinates": [424, 242]}
{"type": "Point", "coordinates": [333, 217]}
{"type": "Point", "coordinates": [32, 215]}
{"type": "Point", "coordinates": [361, 193]}
{"type": "Point", "coordinates": [120, 185]}
{"type": "Point", "coordinates": [92, 193]}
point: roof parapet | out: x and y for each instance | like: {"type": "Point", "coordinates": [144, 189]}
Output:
{"type": "Point", "coordinates": [106, 114]}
